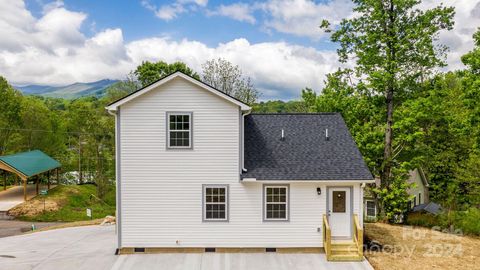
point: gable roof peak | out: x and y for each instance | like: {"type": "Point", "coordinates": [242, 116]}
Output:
{"type": "Point", "coordinates": [177, 74]}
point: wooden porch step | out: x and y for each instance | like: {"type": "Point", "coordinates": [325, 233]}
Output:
{"type": "Point", "coordinates": [345, 258]}
{"type": "Point", "coordinates": [345, 251]}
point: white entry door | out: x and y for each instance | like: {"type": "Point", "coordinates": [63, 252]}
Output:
{"type": "Point", "coordinates": [339, 212]}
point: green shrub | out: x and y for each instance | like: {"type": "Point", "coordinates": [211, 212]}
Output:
{"type": "Point", "coordinates": [467, 221]}
{"type": "Point", "coordinates": [422, 219]}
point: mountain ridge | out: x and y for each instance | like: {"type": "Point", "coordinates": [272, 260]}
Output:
{"type": "Point", "coordinates": [70, 91]}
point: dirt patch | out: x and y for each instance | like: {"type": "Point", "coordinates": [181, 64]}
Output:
{"type": "Point", "coordinates": [412, 248]}
{"type": "Point", "coordinates": [34, 207]}
{"type": "Point", "coordinates": [56, 198]}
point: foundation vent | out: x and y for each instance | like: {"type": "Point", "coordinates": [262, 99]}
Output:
{"type": "Point", "coordinates": [210, 250]}
{"type": "Point", "coordinates": [271, 250]}
{"type": "Point", "coordinates": [139, 250]}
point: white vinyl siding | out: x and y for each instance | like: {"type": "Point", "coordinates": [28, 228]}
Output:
{"type": "Point", "coordinates": [161, 188]}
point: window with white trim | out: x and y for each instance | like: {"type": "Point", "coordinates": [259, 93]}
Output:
{"type": "Point", "coordinates": [215, 203]}
{"type": "Point", "coordinates": [179, 128]}
{"type": "Point", "coordinates": [371, 209]}
{"type": "Point", "coordinates": [275, 202]}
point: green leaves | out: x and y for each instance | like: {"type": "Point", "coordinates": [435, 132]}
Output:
{"type": "Point", "coordinates": [149, 72]}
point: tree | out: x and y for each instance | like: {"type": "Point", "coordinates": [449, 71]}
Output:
{"type": "Point", "coordinates": [229, 79]}
{"type": "Point", "coordinates": [471, 84]}
{"type": "Point", "coordinates": [149, 72]}
{"type": "Point", "coordinates": [393, 45]}
{"type": "Point", "coordinates": [10, 104]}
{"type": "Point", "coordinates": [122, 88]}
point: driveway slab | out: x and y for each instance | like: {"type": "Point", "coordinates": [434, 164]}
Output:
{"type": "Point", "coordinates": [93, 247]}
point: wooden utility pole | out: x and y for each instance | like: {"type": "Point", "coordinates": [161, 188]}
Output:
{"type": "Point", "coordinates": [48, 180]}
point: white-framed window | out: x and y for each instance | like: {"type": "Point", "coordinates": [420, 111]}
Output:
{"type": "Point", "coordinates": [371, 209]}
{"type": "Point", "coordinates": [276, 202]}
{"type": "Point", "coordinates": [215, 202]}
{"type": "Point", "coordinates": [179, 130]}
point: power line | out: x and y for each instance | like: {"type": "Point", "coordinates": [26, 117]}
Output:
{"type": "Point", "coordinates": [52, 131]}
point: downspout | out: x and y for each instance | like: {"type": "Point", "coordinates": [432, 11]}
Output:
{"type": "Point", "coordinates": [243, 139]}
{"type": "Point", "coordinates": [116, 114]}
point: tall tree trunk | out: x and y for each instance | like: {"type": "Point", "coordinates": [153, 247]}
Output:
{"type": "Point", "coordinates": [387, 150]}
{"type": "Point", "coordinates": [386, 169]}
{"type": "Point", "coordinates": [391, 58]}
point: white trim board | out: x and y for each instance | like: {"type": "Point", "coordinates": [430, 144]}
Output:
{"type": "Point", "coordinates": [113, 106]}
{"type": "Point", "coordinates": [254, 180]}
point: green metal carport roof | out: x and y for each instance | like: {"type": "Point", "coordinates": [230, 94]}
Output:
{"type": "Point", "coordinates": [30, 163]}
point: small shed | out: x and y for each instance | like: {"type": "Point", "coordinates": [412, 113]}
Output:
{"type": "Point", "coordinates": [430, 207]}
{"type": "Point", "coordinates": [29, 164]}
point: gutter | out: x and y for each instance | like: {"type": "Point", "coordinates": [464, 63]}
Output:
{"type": "Point", "coordinates": [243, 139]}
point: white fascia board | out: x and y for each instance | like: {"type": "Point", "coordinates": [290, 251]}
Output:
{"type": "Point", "coordinates": [308, 181]}
{"type": "Point", "coordinates": [115, 105]}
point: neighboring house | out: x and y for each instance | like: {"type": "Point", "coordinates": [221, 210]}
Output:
{"type": "Point", "coordinates": [197, 172]}
{"type": "Point", "coordinates": [420, 188]}
{"type": "Point", "coordinates": [419, 191]}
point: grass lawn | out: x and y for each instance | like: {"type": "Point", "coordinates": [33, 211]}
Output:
{"type": "Point", "coordinates": [412, 248]}
{"type": "Point", "coordinates": [66, 203]}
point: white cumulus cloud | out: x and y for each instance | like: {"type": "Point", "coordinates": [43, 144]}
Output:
{"type": "Point", "coordinates": [237, 11]}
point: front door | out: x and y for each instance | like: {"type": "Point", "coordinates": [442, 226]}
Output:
{"type": "Point", "coordinates": [339, 212]}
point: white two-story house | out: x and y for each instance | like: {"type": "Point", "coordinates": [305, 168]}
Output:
{"type": "Point", "coordinates": [197, 171]}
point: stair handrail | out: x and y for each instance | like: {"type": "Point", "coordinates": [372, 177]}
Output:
{"type": "Point", "coordinates": [358, 234]}
{"type": "Point", "coordinates": [327, 237]}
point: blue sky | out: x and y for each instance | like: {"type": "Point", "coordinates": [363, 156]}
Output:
{"type": "Point", "coordinates": [138, 22]}
{"type": "Point", "coordinates": [276, 42]}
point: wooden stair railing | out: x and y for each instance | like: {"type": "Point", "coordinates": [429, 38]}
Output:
{"type": "Point", "coordinates": [358, 235]}
{"type": "Point", "coordinates": [327, 237]}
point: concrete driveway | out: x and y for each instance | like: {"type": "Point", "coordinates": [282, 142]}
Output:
{"type": "Point", "coordinates": [93, 247]}
{"type": "Point", "coordinates": [14, 196]}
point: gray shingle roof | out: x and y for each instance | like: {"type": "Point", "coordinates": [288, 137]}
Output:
{"type": "Point", "coordinates": [304, 154]}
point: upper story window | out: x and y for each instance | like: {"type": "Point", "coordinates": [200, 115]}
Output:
{"type": "Point", "coordinates": [275, 203]}
{"type": "Point", "coordinates": [179, 130]}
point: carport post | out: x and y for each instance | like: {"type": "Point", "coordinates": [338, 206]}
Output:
{"type": "Point", "coordinates": [37, 180]}
{"type": "Point", "coordinates": [25, 189]}
{"type": "Point", "coordinates": [4, 180]}
{"type": "Point", "coordinates": [48, 180]}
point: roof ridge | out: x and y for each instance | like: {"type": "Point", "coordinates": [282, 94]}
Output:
{"type": "Point", "coordinates": [172, 74]}
{"type": "Point", "coordinates": [297, 113]}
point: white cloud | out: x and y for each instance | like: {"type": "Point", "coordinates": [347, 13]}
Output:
{"type": "Point", "coordinates": [237, 11]}
{"type": "Point", "coordinates": [278, 68]}
{"type": "Point", "coordinates": [171, 11]}
{"type": "Point", "coordinates": [303, 17]}
{"type": "Point", "coordinates": [459, 40]}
